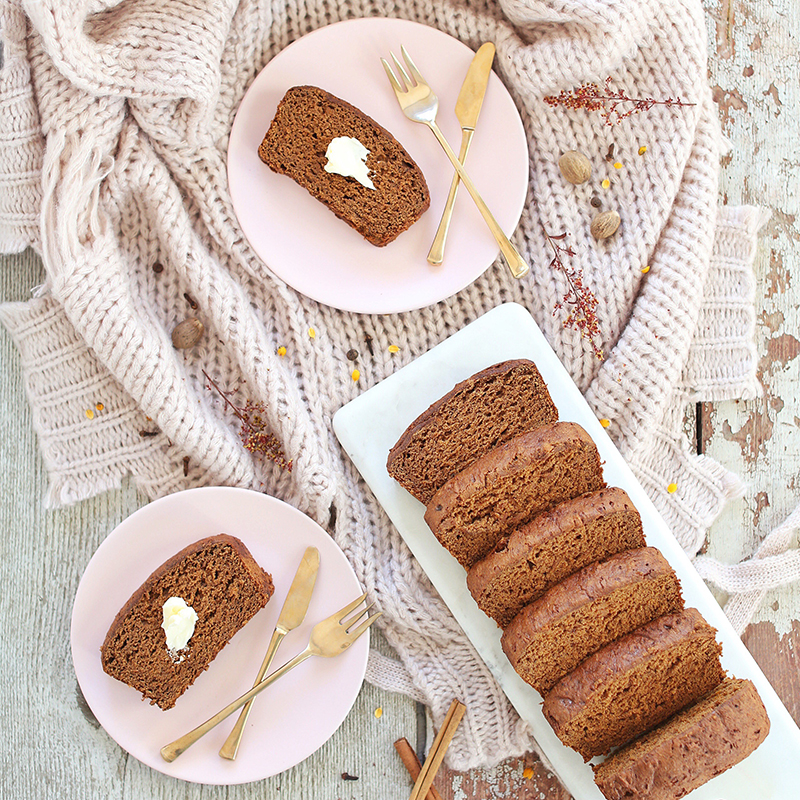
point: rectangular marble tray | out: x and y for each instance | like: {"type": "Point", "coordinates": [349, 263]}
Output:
{"type": "Point", "coordinates": [367, 428]}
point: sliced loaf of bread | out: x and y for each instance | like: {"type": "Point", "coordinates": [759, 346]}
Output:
{"type": "Point", "coordinates": [691, 748]}
{"type": "Point", "coordinates": [510, 484]}
{"type": "Point", "coordinates": [481, 412]}
{"type": "Point", "coordinates": [587, 611]}
{"type": "Point", "coordinates": [554, 544]}
{"type": "Point", "coordinates": [635, 683]}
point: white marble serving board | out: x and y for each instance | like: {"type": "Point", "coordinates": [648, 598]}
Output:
{"type": "Point", "coordinates": [369, 426]}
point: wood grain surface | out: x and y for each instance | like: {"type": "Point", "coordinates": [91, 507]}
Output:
{"type": "Point", "coordinates": [53, 747]}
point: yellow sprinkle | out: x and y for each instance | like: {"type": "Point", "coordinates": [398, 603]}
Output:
{"type": "Point", "coordinates": [642, 149]}
{"type": "Point", "coordinates": [378, 712]}
{"type": "Point", "coordinates": [99, 406]}
{"type": "Point", "coordinates": [393, 348]}
{"type": "Point", "coordinates": [646, 269]}
{"type": "Point", "coordinates": [281, 351]}
{"type": "Point", "coordinates": [356, 374]}
{"type": "Point", "coordinates": [606, 183]}
{"type": "Point", "coordinates": [312, 333]}
{"type": "Point", "coordinates": [672, 488]}
{"type": "Point", "coordinates": [527, 773]}
{"type": "Point", "coordinates": [605, 422]}
{"type": "Point", "coordinates": [90, 413]}
{"type": "Point", "coordinates": [617, 165]}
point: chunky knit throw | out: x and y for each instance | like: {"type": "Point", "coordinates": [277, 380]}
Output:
{"type": "Point", "coordinates": [114, 119]}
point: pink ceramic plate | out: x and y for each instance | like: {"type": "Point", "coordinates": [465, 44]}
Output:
{"type": "Point", "coordinates": [303, 243]}
{"type": "Point", "coordinates": [291, 719]}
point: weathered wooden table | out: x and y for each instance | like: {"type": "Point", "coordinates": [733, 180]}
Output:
{"type": "Point", "coordinates": [53, 747]}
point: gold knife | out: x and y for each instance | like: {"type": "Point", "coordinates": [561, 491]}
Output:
{"type": "Point", "coordinates": [292, 614]}
{"type": "Point", "coordinates": [468, 107]}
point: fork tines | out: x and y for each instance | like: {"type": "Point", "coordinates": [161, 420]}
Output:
{"type": "Point", "coordinates": [412, 68]}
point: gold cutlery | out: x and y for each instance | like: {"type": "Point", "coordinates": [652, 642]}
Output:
{"type": "Point", "coordinates": [329, 638]}
{"type": "Point", "coordinates": [468, 108]}
{"type": "Point", "coordinates": [420, 104]}
{"type": "Point", "coordinates": [292, 614]}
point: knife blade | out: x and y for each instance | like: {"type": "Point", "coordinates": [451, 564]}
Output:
{"type": "Point", "coordinates": [468, 109]}
{"type": "Point", "coordinates": [292, 614]}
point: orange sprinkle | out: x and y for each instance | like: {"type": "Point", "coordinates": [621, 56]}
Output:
{"type": "Point", "coordinates": [281, 351]}
{"type": "Point", "coordinates": [617, 165]}
{"type": "Point", "coordinates": [642, 149]}
{"type": "Point", "coordinates": [378, 712]}
{"type": "Point", "coordinates": [672, 488]}
{"type": "Point", "coordinates": [312, 333]}
{"type": "Point", "coordinates": [646, 269]}
{"type": "Point", "coordinates": [89, 413]}
{"type": "Point", "coordinates": [393, 348]}
{"type": "Point", "coordinates": [356, 374]}
{"type": "Point", "coordinates": [605, 422]}
{"type": "Point", "coordinates": [99, 406]}
{"type": "Point", "coordinates": [606, 183]}
{"type": "Point", "coordinates": [527, 773]}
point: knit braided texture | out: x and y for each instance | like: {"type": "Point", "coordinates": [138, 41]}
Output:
{"type": "Point", "coordinates": [113, 135]}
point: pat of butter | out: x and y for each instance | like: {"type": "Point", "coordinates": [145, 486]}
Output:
{"type": "Point", "coordinates": [347, 156]}
{"type": "Point", "coordinates": [178, 624]}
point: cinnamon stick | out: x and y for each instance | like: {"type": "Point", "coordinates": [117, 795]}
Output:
{"type": "Point", "coordinates": [438, 749]}
{"type": "Point", "coordinates": [411, 763]}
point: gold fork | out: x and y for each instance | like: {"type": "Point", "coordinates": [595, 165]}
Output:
{"type": "Point", "coordinates": [420, 104]}
{"type": "Point", "coordinates": [329, 638]}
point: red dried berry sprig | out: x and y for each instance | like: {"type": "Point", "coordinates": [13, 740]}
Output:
{"type": "Point", "coordinates": [578, 300]}
{"type": "Point", "coordinates": [254, 431]}
{"type": "Point", "coordinates": [613, 105]}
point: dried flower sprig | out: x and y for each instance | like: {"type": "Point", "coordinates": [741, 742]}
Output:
{"type": "Point", "coordinates": [580, 302]}
{"type": "Point", "coordinates": [254, 431]}
{"type": "Point", "coordinates": [613, 105]}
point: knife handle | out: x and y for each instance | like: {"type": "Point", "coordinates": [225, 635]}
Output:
{"type": "Point", "coordinates": [436, 253]}
{"type": "Point", "coordinates": [231, 746]}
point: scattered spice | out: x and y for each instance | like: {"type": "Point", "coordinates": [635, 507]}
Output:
{"type": "Point", "coordinates": [617, 165]}
{"type": "Point", "coordinates": [378, 712]}
{"type": "Point", "coordinates": [642, 149]}
{"type": "Point", "coordinates": [254, 432]}
{"type": "Point", "coordinates": [672, 488]}
{"type": "Point", "coordinates": [190, 300]}
{"type": "Point", "coordinates": [145, 434]}
{"type": "Point", "coordinates": [185, 465]}
{"type": "Point", "coordinates": [281, 351]}
{"type": "Point", "coordinates": [582, 303]}
{"type": "Point", "coordinates": [575, 167]}
{"type": "Point", "coordinates": [646, 269]}
{"type": "Point", "coordinates": [596, 202]}
{"type": "Point", "coordinates": [393, 348]}
{"type": "Point", "coordinates": [605, 224]}
{"type": "Point", "coordinates": [368, 340]}
{"type": "Point", "coordinates": [606, 183]}
{"type": "Point", "coordinates": [99, 406]}
{"type": "Point", "coordinates": [610, 103]}
{"type": "Point", "coordinates": [605, 422]}
{"type": "Point", "coordinates": [352, 354]}
{"type": "Point", "coordinates": [187, 333]}
{"type": "Point", "coordinates": [527, 773]}
{"type": "Point", "coordinates": [89, 413]}
{"type": "Point", "coordinates": [158, 267]}
{"type": "Point", "coordinates": [356, 374]}
{"type": "Point", "coordinates": [346, 776]}
{"type": "Point", "coordinates": [610, 154]}
{"type": "Point", "coordinates": [312, 333]}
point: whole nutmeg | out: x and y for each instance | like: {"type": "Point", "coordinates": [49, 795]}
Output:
{"type": "Point", "coordinates": [187, 333]}
{"type": "Point", "coordinates": [575, 167]}
{"type": "Point", "coordinates": [605, 224]}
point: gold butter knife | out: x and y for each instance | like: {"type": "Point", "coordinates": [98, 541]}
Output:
{"type": "Point", "coordinates": [292, 614]}
{"type": "Point", "coordinates": [468, 107]}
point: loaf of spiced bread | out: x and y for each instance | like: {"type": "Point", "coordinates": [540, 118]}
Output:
{"type": "Point", "coordinates": [689, 749]}
{"type": "Point", "coordinates": [554, 544]}
{"type": "Point", "coordinates": [588, 610]}
{"type": "Point", "coordinates": [220, 580]}
{"type": "Point", "coordinates": [481, 412]}
{"type": "Point", "coordinates": [296, 144]}
{"type": "Point", "coordinates": [635, 683]}
{"type": "Point", "coordinates": [510, 484]}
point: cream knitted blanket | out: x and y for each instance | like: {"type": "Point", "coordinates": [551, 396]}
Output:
{"type": "Point", "coordinates": [113, 131]}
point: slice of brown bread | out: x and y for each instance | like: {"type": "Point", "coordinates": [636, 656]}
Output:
{"type": "Point", "coordinates": [216, 576]}
{"type": "Point", "coordinates": [306, 121]}
{"type": "Point", "coordinates": [510, 484]}
{"type": "Point", "coordinates": [690, 749]}
{"type": "Point", "coordinates": [635, 683]}
{"type": "Point", "coordinates": [554, 544]}
{"type": "Point", "coordinates": [586, 611]}
{"type": "Point", "coordinates": [481, 412]}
